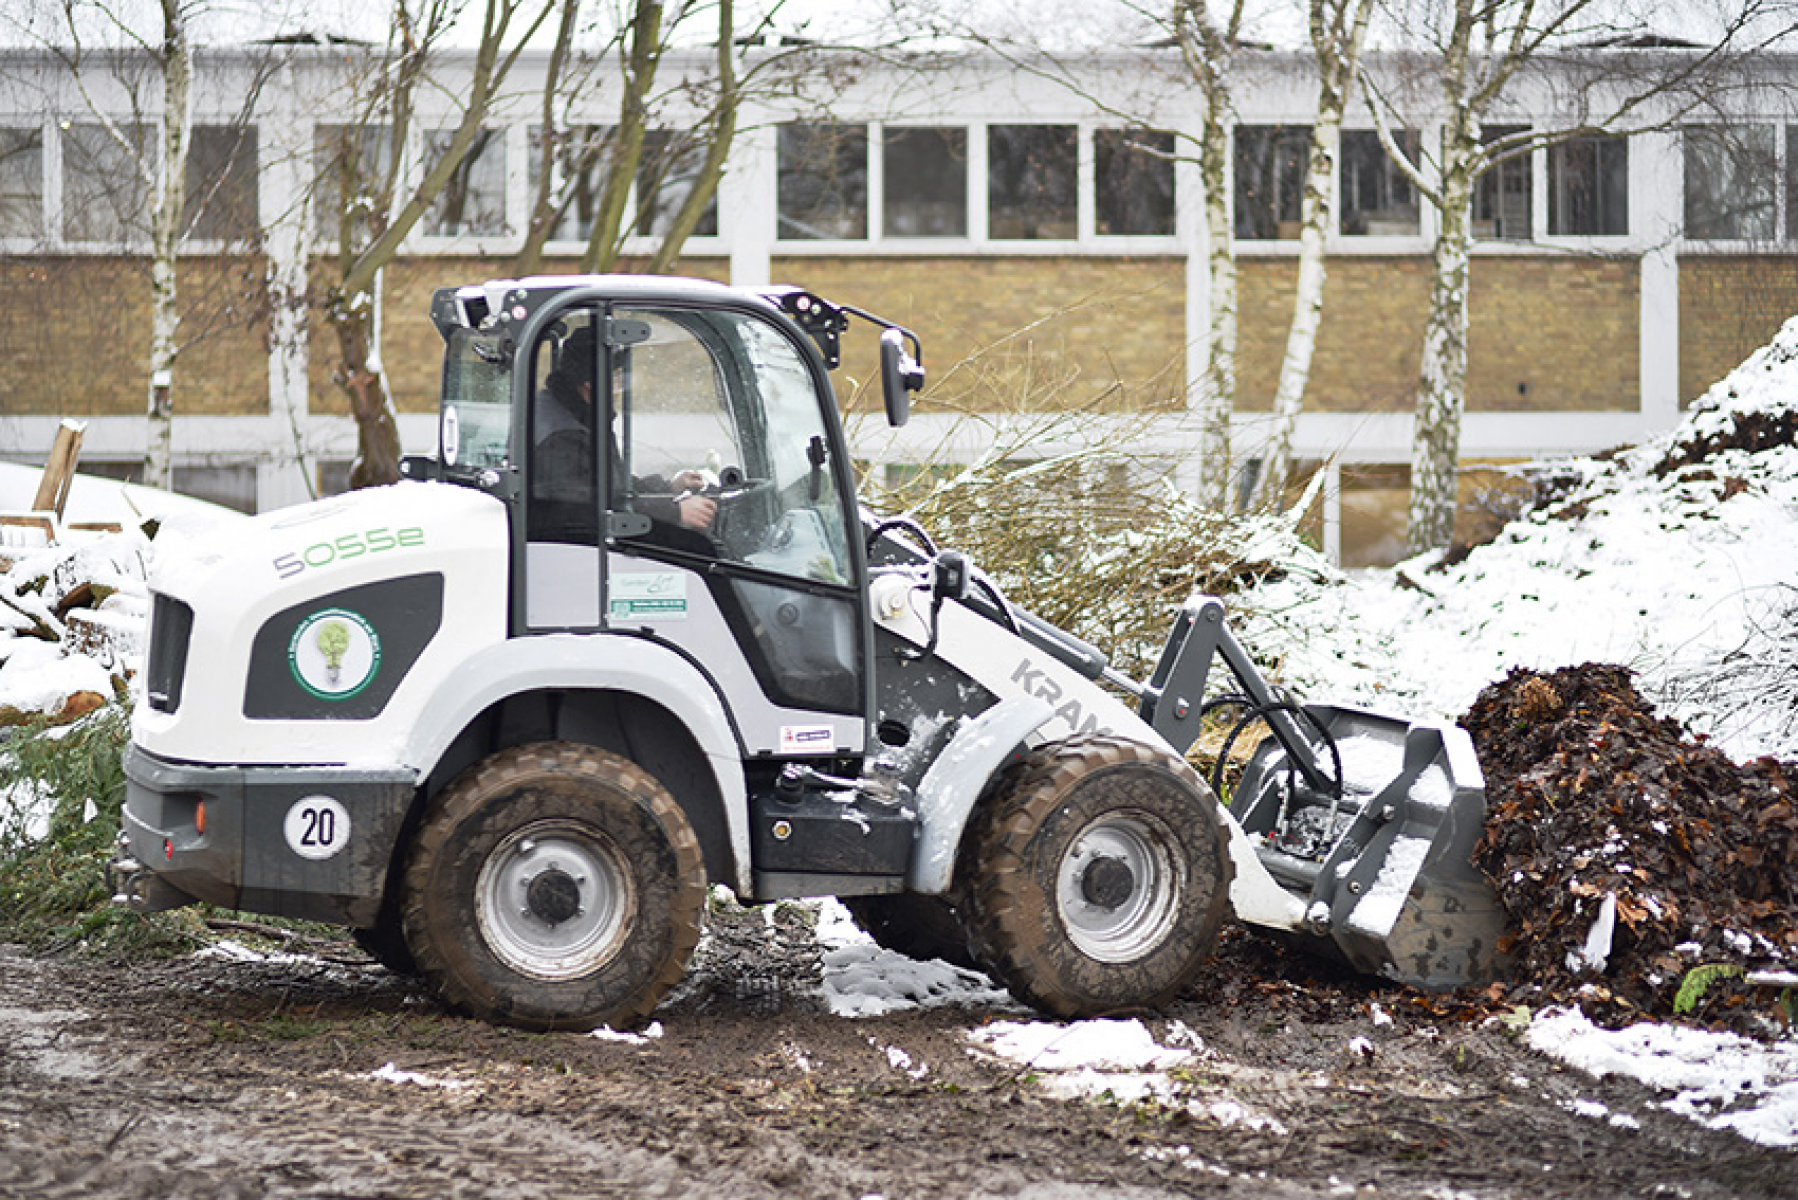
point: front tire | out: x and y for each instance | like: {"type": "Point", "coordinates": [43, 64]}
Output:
{"type": "Point", "coordinates": [1100, 876]}
{"type": "Point", "coordinates": [554, 886]}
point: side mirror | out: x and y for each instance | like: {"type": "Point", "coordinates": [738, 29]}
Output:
{"type": "Point", "coordinates": [949, 576]}
{"type": "Point", "coordinates": [900, 375]}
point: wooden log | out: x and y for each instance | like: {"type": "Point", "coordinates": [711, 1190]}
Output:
{"type": "Point", "coordinates": [59, 470]}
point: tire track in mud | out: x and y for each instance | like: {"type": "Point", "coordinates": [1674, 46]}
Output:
{"type": "Point", "coordinates": [215, 1077]}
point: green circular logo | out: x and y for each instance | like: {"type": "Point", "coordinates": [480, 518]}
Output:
{"type": "Point", "coordinates": [334, 654]}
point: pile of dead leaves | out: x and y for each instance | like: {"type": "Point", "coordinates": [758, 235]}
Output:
{"type": "Point", "coordinates": [1596, 804]}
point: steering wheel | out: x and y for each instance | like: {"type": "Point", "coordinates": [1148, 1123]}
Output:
{"type": "Point", "coordinates": [744, 510]}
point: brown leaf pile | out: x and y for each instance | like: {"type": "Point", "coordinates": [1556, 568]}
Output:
{"type": "Point", "coordinates": [1752, 432]}
{"type": "Point", "coordinates": [1590, 794]}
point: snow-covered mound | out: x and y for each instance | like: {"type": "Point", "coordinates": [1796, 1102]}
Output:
{"type": "Point", "coordinates": [1677, 559]}
{"type": "Point", "coordinates": [73, 600]}
{"type": "Point", "coordinates": [93, 499]}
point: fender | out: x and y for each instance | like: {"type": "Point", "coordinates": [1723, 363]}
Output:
{"type": "Point", "coordinates": [954, 782]}
{"type": "Point", "coordinates": [573, 662]}
{"type": "Point", "coordinates": [1007, 666]}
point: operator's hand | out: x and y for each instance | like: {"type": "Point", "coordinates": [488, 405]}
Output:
{"type": "Point", "coordinates": [696, 512]}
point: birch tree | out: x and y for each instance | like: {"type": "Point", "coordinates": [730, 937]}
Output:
{"type": "Point", "coordinates": [658, 167]}
{"type": "Point", "coordinates": [1208, 48]}
{"type": "Point", "coordinates": [160, 164]}
{"type": "Point", "coordinates": [633, 158]}
{"type": "Point", "coordinates": [103, 47]}
{"type": "Point", "coordinates": [376, 211]}
{"type": "Point", "coordinates": [167, 199]}
{"type": "Point", "coordinates": [1479, 48]}
{"type": "Point", "coordinates": [1338, 30]}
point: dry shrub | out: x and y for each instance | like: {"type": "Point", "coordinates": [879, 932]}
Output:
{"type": "Point", "coordinates": [1073, 516]}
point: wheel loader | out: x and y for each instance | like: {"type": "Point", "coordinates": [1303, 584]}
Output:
{"type": "Point", "coordinates": [628, 634]}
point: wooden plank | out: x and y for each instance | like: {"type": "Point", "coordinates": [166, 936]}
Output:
{"type": "Point", "coordinates": [59, 471]}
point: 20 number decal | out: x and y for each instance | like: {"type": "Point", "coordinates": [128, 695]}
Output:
{"type": "Point", "coordinates": [316, 827]}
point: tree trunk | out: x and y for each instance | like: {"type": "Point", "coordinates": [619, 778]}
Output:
{"type": "Point", "coordinates": [355, 304]}
{"type": "Point", "coordinates": [1441, 394]}
{"type": "Point", "coordinates": [642, 57]}
{"type": "Point", "coordinates": [357, 320]}
{"type": "Point", "coordinates": [544, 210]}
{"type": "Point", "coordinates": [170, 190]}
{"type": "Point", "coordinates": [1307, 309]}
{"type": "Point", "coordinates": [723, 134]}
{"type": "Point", "coordinates": [1217, 390]}
{"type": "Point", "coordinates": [1338, 30]}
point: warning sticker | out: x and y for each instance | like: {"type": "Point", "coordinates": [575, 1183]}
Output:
{"type": "Point", "coordinates": [649, 596]}
{"type": "Point", "coordinates": [807, 739]}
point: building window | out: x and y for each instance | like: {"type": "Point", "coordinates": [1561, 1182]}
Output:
{"type": "Point", "coordinates": [1270, 179]}
{"type": "Point", "coordinates": [220, 203]}
{"type": "Point", "coordinates": [473, 202]}
{"type": "Point", "coordinates": [576, 158]}
{"type": "Point", "coordinates": [1588, 187]}
{"type": "Point", "coordinates": [230, 486]}
{"type": "Point", "coordinates": [823, 182]}
{"type": "Point", "coordinates": [668, 167]}
{"type": "Point", "coordinates": [352, 161]}
{"type": "Point", "coordinates": [1732, 181]}
{"type": "Point", "coordinates": [1377, 198]}
{"type": "Point", "coordinates": [1033, 182]}
{"type": "Point", "coordinates": [103, 194]}
{"type": "Point", "coordinates": [667, 172]}
{"type": "Point", "coordinates": [21, 182]}
{"type": "Point", "coordinates": [924, 188]}
{"type": "Point", "coordinates": [1503, 198]}
{"type": "Point", "coordinates": [1792, 183]}
{"type": "Point", "coordinates": [1133, 183]}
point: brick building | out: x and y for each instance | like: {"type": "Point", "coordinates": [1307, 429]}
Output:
{"type": "Point", "coordinates": [1012, 220]}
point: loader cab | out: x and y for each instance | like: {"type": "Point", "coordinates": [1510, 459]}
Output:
{"type": "Point", "coordinates": [675, 470]}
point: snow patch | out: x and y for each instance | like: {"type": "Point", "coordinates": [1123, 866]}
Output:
{"type": "Point", "coordinates": [390, 1073]}
{"type": "Point", "coordinates": [1377, 912]}
{"type": "Point", "coordinates": [1719, 1080]}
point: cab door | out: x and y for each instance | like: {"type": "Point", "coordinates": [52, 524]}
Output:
{"type": "Point", "coordinates": [728, 510]}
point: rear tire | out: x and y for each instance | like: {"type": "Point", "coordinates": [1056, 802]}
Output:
{"type": "Point", "coordinates": [1099, 876]}
{"type": "Point", "coordinates": [915, 925]}
{"type": "Point", "coordinates": [554, 886]}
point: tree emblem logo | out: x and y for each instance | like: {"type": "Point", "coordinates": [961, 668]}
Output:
{"type": "Point", "coordinates": [334, 654]}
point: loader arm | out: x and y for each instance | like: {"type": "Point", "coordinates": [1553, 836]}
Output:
{"type": "Point", "coordinates": [1350, 830]}
{"type": "Point", "coordinates": [1172, 701]}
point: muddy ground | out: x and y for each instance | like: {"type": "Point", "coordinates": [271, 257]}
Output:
{"type": "Point", "coordinates": [206, 1076]}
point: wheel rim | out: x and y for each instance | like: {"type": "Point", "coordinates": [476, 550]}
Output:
{"type": "Point", "coordinates": [554, 901]}
{"type": "Point", "coordinates": [1118, 888]}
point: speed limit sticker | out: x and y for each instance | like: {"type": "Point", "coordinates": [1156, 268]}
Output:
{"type": "Point", "coordinates": [317, 827]}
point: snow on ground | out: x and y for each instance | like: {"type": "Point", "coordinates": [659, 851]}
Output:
{"type": "Point", "coordinates": [1717, 1079]}
{"type": "Point", "coordinates": [96, 499]}
{"type": "Point", "coordinates": [1690, 580]}
{"type": "Point", "coordinates": [863, 980]}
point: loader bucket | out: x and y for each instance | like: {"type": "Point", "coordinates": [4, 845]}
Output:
{"type": "Point", "coordinates": [1385, 868]}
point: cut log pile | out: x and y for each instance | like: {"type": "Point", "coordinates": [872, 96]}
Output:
{"type": "Point", "coordinates": [73, 610]}
{"type": "Point", "coordinates": [1629, 854]}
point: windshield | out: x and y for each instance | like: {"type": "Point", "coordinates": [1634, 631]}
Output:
{"type": "Point", "coordinates": [718, 403]}
{"type": "Point", "coordinates": [477, 402]}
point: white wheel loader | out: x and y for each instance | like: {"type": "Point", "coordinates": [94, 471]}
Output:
{"type": "Point", "coordinates": [628, 633]}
